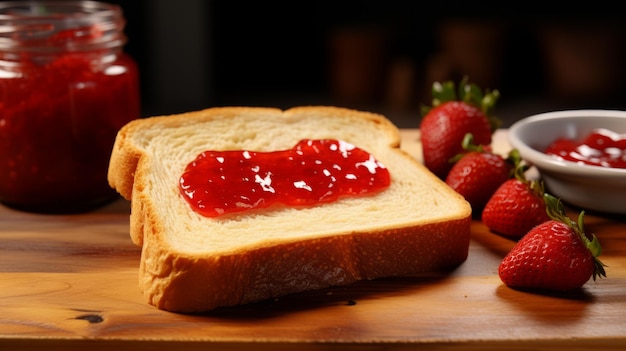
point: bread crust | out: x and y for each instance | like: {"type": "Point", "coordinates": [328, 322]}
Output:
{"type": "Point", "coordinates": [270, 272]}
{"type": "Point", "coordinates": [179, 281]}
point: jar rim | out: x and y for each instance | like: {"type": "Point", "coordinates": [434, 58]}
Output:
{"type": "Point", "coordinates": [60, 7]}
{"type": "Point", "coordinates": [29, 25]}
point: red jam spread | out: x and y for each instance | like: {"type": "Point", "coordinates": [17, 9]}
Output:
{"type": "Point", "coordinates": [312, 172]}
{"type": "Point", "coordinates": [59, 117]}
{"type": "Point", "coordinates": [601, 147]}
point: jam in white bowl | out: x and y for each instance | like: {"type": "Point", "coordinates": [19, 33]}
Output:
{"type": "Point", "coordinates": [589, 187]}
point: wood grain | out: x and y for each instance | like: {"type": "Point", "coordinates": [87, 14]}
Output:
{"type": "Point", "coordinates": [70, 282]}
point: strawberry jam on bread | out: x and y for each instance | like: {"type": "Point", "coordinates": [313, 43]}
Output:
{"type": "Point", "coordinates": [193, 263]}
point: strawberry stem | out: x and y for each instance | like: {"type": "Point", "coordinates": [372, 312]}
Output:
{"type": "Point", "coordinates": [519, 168]}
{"type": "Point", "coordinates": [519, 172]}
{"type": "Point", "coordinates": [468, 146]}
{"type": "Point", "coordinates": [468, 143]}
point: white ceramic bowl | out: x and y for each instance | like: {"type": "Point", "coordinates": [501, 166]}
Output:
{"type": "Point", "coordinates": [587, 187]}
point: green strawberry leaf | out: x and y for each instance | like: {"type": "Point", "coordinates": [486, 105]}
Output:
{"type": "Point", "coordinates": [556, 211]}
{"type": "Point", "coordinates": [519, 172]}
{"type": "Point", "coordinates": [443, 92]}
{"type": "Point", "coordinates": [469, 93]}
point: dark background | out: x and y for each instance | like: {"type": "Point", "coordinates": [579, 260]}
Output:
{"type": "Point", "coordinates": [379, 56]}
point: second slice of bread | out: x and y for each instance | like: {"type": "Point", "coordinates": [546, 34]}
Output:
{"type": "Point", "coordinates": [192, 263]}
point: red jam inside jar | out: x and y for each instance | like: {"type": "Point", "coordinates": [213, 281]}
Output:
{"type": "Point", "coordinates": [64, 94]}
{"type": "Point", "coordinates": [601, 147]}
{"type": "Point", "coordinates": [312, 172]}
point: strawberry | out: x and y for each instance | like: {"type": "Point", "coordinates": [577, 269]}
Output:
{"type": "Point", "coordinates": [516, 206]}
{"type": "Point", "coordinates": [477, 173]}
{"type": "Point", "coordinates": [556, 255]}
{"type": "Point", "coordinates": [451, 116]}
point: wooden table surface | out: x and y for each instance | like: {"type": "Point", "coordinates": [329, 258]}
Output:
{"type": "Point", "coordinates": [70, 282]}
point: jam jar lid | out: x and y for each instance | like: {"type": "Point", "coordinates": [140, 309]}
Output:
{"type": "Point", "coordinates": [42, 25]}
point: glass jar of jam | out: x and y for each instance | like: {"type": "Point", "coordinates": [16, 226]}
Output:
{"type": "Point", "coordinates": [66, 88]}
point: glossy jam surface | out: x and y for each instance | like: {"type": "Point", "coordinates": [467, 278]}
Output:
{"type": "Point", "coordinates": [601, 147]}
{"type": "Point", "coordinates": [310, 173]}
{"type": "Point", "coordinates": [59, 115]}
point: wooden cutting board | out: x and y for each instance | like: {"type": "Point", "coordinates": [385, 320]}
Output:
{"type": "Point", "coordinates": [70, 282]}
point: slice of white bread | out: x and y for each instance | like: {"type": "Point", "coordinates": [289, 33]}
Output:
{"type": "Point", "coordinates": [192, 263]}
